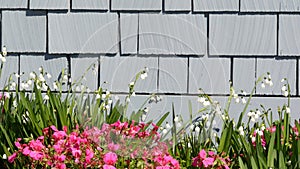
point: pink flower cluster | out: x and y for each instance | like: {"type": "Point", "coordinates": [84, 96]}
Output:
{"type": "Point", "coordinates": [210, 160]}
{"type": "Point", "coordinates": [97, 148]}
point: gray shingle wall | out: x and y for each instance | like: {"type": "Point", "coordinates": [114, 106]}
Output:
{"type": "Point", "coordinates": [186, 44]}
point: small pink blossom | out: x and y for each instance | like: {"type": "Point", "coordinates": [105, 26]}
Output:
{"type": "Point", "coordinates": [12, 158]}
{"type": "Point", "coordinates": [110, 158]}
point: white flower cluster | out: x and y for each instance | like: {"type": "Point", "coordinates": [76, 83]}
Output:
{"type": "Point", "coordinates": [205, 102]}
{"type": "Point", "coordinates": [254, 115]}
{"type": "Point", "coordinates": [106, 98]}
{"type": "Point", "coordinates": [267, 81]}
{"type": "Point", "coordinates": [242, 98]}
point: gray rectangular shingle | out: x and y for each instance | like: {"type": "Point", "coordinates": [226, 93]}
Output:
{"type": "Point", "coordinates": [84, 71]}
{"type": "Point", "coordinates": [178, 5]}
{"type": "Point", "coordinates": [173, 74]}
{"type": "Point", "coordinates": [232, 34]}
{"type": "Point", "coordinates": [5, 4]}
{"type": "Point", "coordinates": [289, 34]}
{"type": "Point", "coordinates": [260, 6]}
{"type": "Point", "coordinates": [244, 74]}
{"type": "Point", "coordinates": [49, 4]}
{"type": "Point", "coordinates": [83, 33]}
{"type": "Point", "coordinates": [129, 33]}
{"type": "Point", "coordinates": [289, 6]}
{"type": "Point", "coordinates": [210, 74]}
{"type": "Point", "coordinates": [216, 5]}
{"type": "Point", "coordinates": [24, 31]}
{"type": "Point", "coordinates": [52, 64]}
{"type": "Point", "coordinates": [136, 5]}
{"type": "Point", "coordinates": [163, 34]}
{"type": "Point", "coordinates": [90, 4]}
{"type": "Point", "coordinates": [279, 69]}
{"type": "Point", "coordinates": [120, 71]}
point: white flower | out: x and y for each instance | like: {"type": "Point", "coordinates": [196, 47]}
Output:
{"type": "Point", "coordinates": [88, 90]}
{"type": "Point", "coordinates": [271, 83]}
{"type": "Point", "coordinates": [98, 96]}
{"type": "Point", "coordinates": [41, 78]}
{"type": "Point", "coordinates": [176, 119]}
{"type": "Point", "coordinates": [29, 82]}
{"type": "Point", "coordinates": [244, 100]}
{"type": "Point", "coordinates": [41, 69]}
{"type": "Point", "coordinates": [44, 86]}
{"type": "Point", "coordinates": [17, 75]}
{"type": "Point", "coordinates": [263, 85]}
{"type": "Point", "coordinates": [197, 129]}
{"type": "Point", "coordinates": [49, 76]}
{"type": "Point", "coordinates": [4, 157]}
{"type": "Point", "coordinates": [235, 96]}
{"type": "Point", "coordinates": [192, 127]}
{"type": "Point", "coordinates": [244, 93]}
{"type": "Point", "coordinates": [4, 51]}
{"type": "Point", "coordinates": [46, 97]}
{"type": "Point", "coordinates": [237, 100]}
{"type": "Point", "coordinates": [164, 131]}
{"type": "Point", "coordinates": [32, 75]}
{"type": "Point", "coordinates": [146, 109]}
{"type": "Point", "coordinates": [241, 131]}
{"type": "Point", "coordinates": [178, 125]}
{"type": "Point", "coordinates": [286, 93]}
{"type": "Point", "coordinates": [22, 85]}
{"type": "Point", "coordinates": [259, 132]}
{"type": "Point", "coordinates": [251, 113]}
{"type": "Point", "coordinates": [103, 96]}
{"type": "Point", "coordinates": [201, 99]}
{"type": "Point", "coordinates": [109, 101]}
{"type": "Point", "coordinates": [133, 94]}
{"type": "Point", "coordinates": [117, 97]}
{"type": "Point", "coordinates": [284, 88]}
{"type": "Point", "coordinates": [131, 83]}
{"type": "Point", "coordinates": [3, 59]}
{"type": "Point", "coordinates": [258, 112]}
{"type": "Point", "coordinates": [262, 128]}
{"type": "Point", "coordinates": [282, 80]}
{"type": "Point", "coordinates": [288, 110]}
{"type": "Point", "coordinates": [253, 119]}
{"type": "Point", "coordinates": [144, 75]}
{"type": "Point", "coordinates": [13, 84]}
{"type": "Point", "coordinates": [65, 78]}
{"type": "Point", "coordinates": [107, 107]}
{"type": "Point", "coordinates": [15, 104]}
{"type": "Point", "coordinates": [55, 85]}
{"type": "Point", "coordinates": [189, 145]}
{"type": "Point", "coordinates": [206, 103]}
{"type": "Point", "coordinates": [168, 126]}
{"type": "Point", "coordinates": [127, 99]}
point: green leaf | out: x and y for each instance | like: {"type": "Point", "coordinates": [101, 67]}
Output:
{"type": "Point", "coordinates": [281, 161]}
{"type": "Point", "coordinates": [242, 165]}
{"type": "Point", "coordinates": [271, 156]}
{"type": "Point", "coordinates": [253, 163]}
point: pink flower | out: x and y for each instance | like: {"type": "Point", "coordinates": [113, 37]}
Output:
{"type": "Point", "coordinates": [113, 147]}
{"type": "Point", "coordinates": [89, 154]}
{"type": "Point", "coordinates": [208, 161]}
{"type": "Point", "coordinates": [108, 167]}
{"type": "Point", "coordinates": [12, 158]}
{"type": "Point", "coordinates": [26, 151]}
{"type": "Point", "coordinates": [202, 154]}
{"type": "Point", "coordinates": [110, 158]}
{"type": "Point", "coordinates": [60, 166]}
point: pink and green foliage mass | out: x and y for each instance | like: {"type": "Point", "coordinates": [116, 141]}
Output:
{"type": "Point", "coordinates": [112, 146]}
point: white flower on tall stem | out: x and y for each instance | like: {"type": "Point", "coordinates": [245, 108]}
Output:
{"type": "Point", "coordinates": [168, 126]}
{"type": "Point", "coordinates": [46, 97]}
{"type": "Point", "coordinates": [241, 131]}
{"type": "Point", "coordinates": [48, 75]}
{"type": "Point", "coordinates": [41, 78]}
{"type": "Point", "coordinates": [55, 86]}
{"type": "Point", "coordinates": [4, 51]}
{"type": "Point", "coordinates": [288, 110]}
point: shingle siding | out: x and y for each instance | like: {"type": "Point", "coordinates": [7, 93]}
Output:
{"type": "Point", "coordinates": [12, 4]}
{"type": "Point", "coordinates": [162, 34]}
{"type": "Point", "coordinates": [69, 33]}
{"type": "Point", "coordinates": [90, 4]}
{"type": "Point", "coordinates": [232, 34]}
{"type": "Point", "coordinates": [49, 4]}
{"type": "Point", "coordinates": [24, 31]}
{"type": "Point", "coordinates": [136, 5]}
{"type": "Point", "coordinates": [216, 5]}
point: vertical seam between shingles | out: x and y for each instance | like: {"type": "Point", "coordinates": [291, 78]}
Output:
{"type": "Point", "coordinates": [192, 6]}
{"type": "Point", "coordinates": [188, 75]}
{"type": "Point", "coordinates": [69, 70]}
{"type": "Point", "coordinates": [297, 76]}
{"type": "Point", "coordinates": [255, 74]}
{"type": "Point", "coordinates": [47, 33]}
{"type": "Point", "coordinates": [231, 70]}
{"type": "Point", "coordinates": [99, 71]}
{"type": "Point", "coordinates": [1, 28]}
{"type": "Point", "coordinates": [277, 35]}
{"type": "Point", "coordinates": [119, 33]}
{"type": "Point", "coordinates": [158, 70]}
{"type": "Point", "coordinates": [207, 35]}
{"type": "Point", "coordinates": [28, 4]}
{"type": "Point", "coordinates": [138, 35]}
{"type": "Point", "coordinates": [19, 70]}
